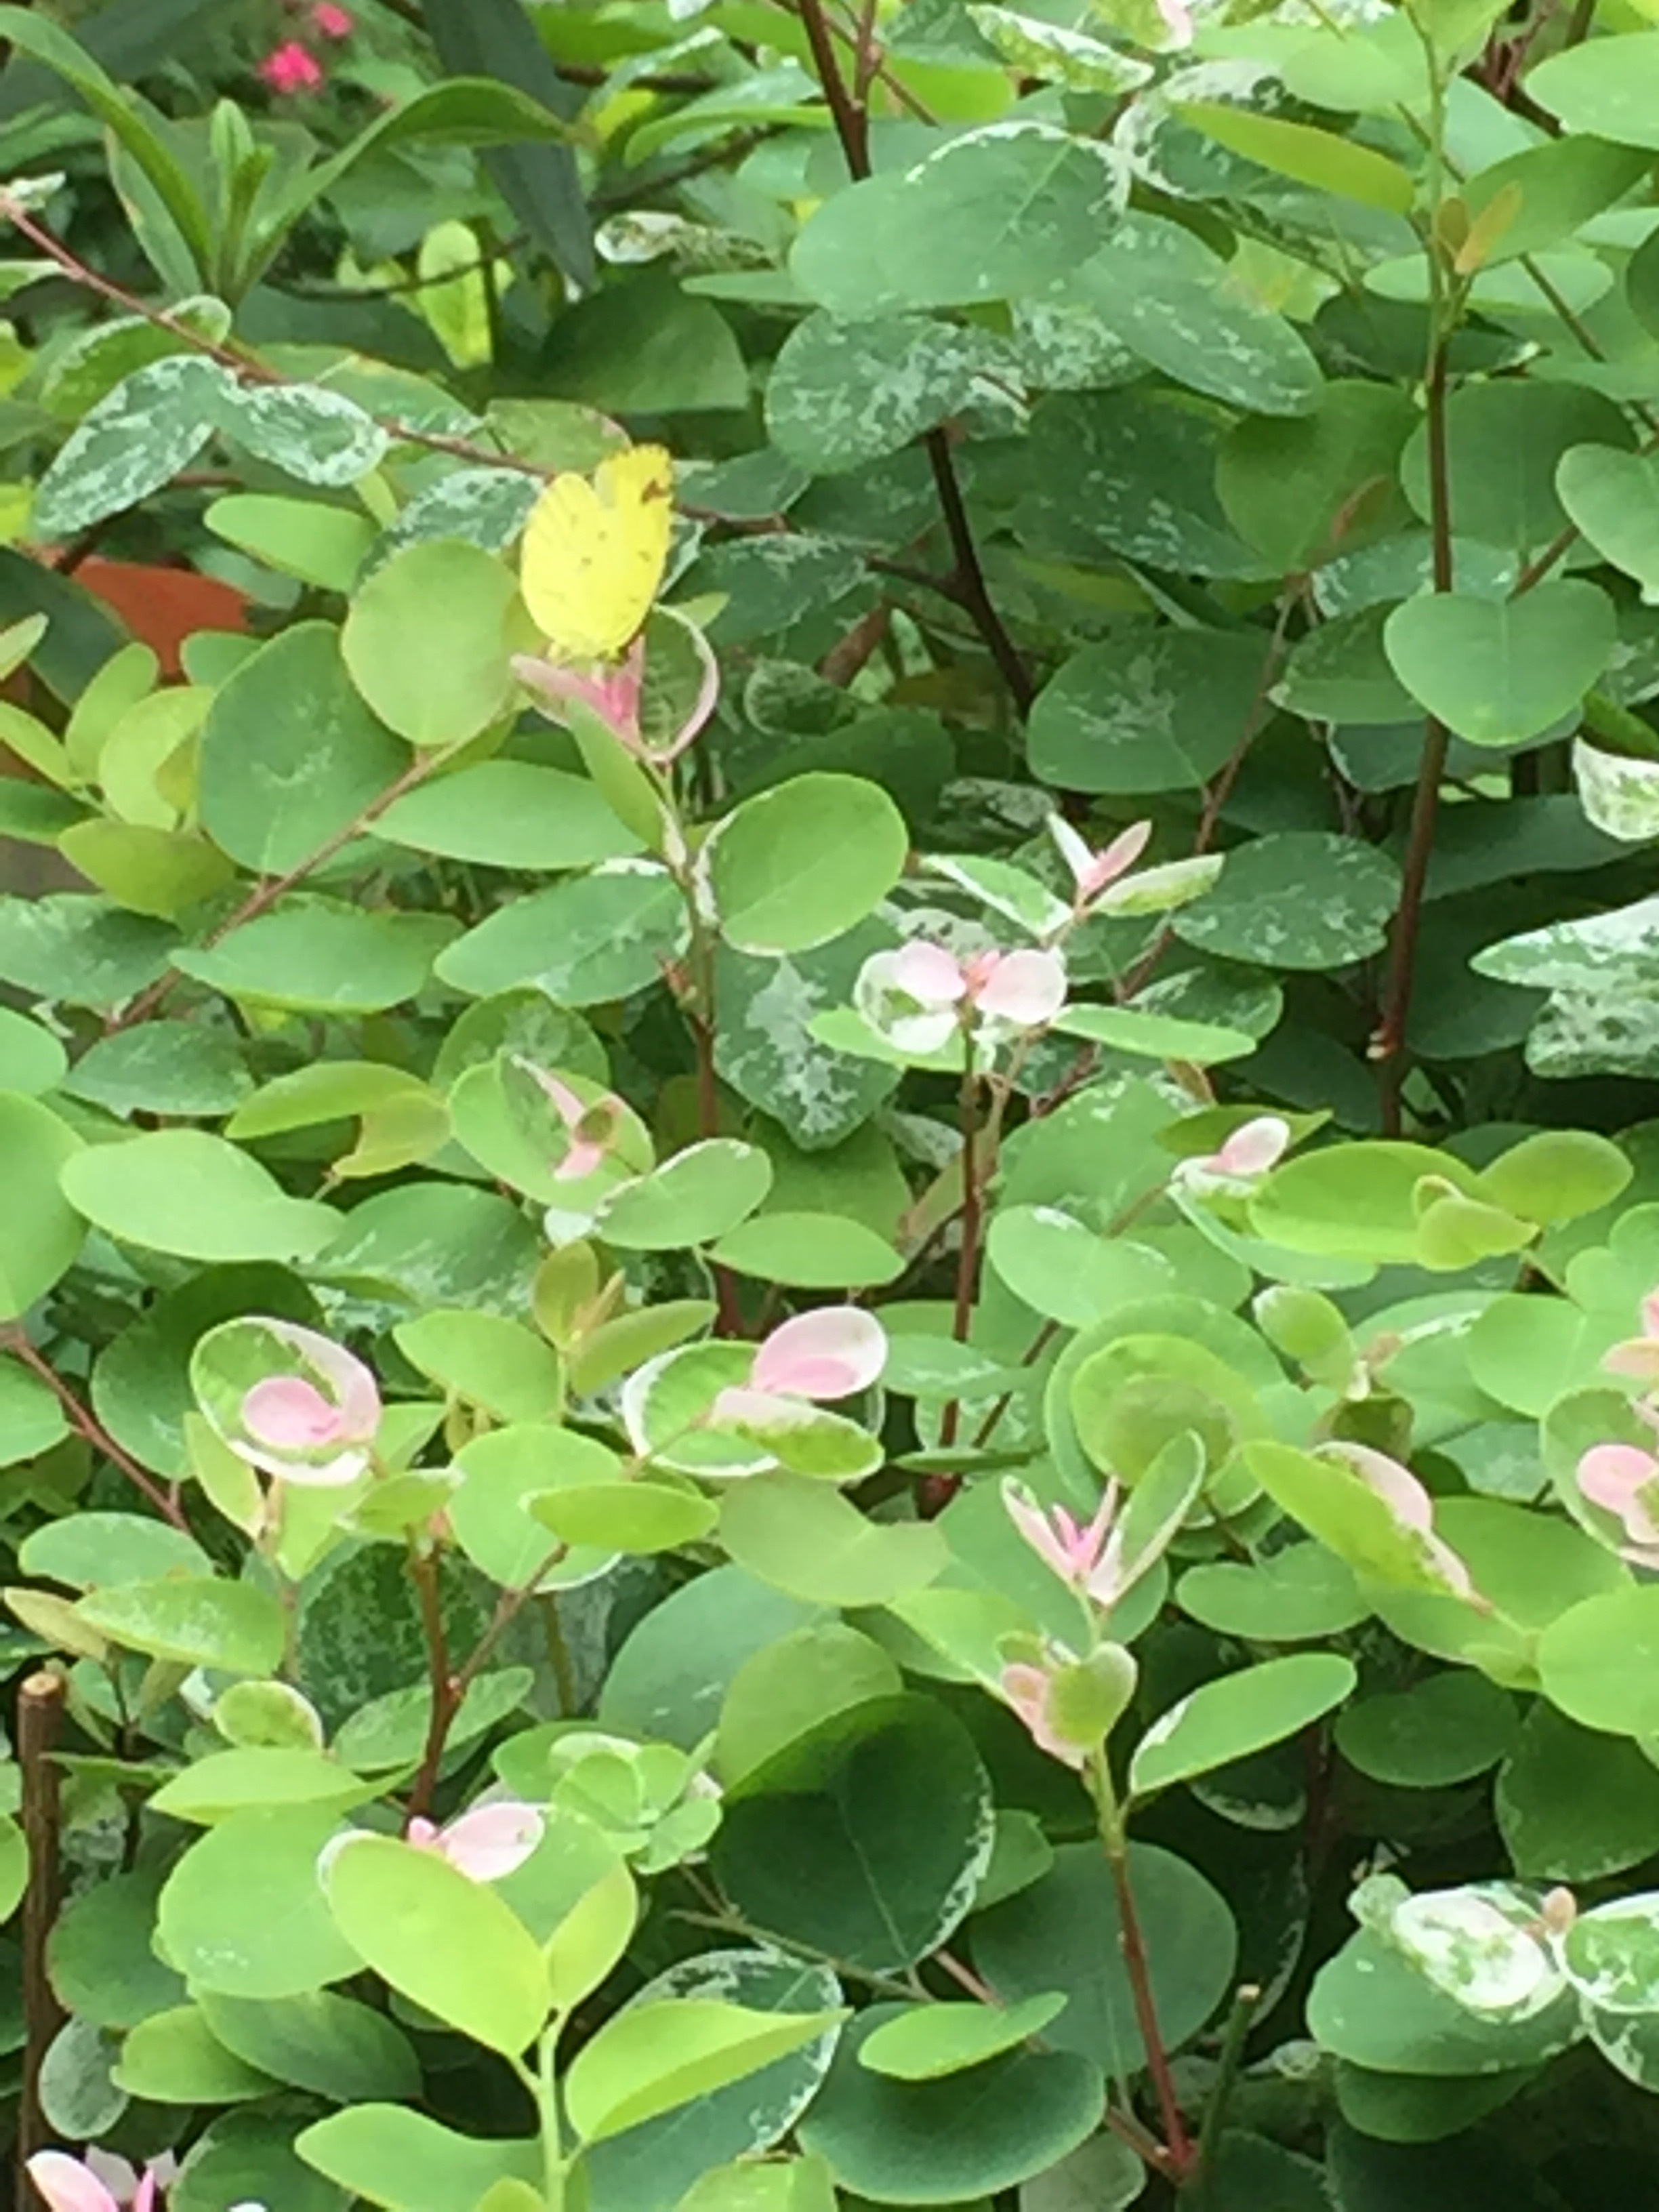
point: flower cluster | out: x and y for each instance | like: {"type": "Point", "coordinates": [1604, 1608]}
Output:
{"type": "Point", "coordinates": [921, 995]}
{"type": "Point", "coordinates": [292, 70]}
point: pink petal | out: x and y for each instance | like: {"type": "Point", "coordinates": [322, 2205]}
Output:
{"type": "Point", "coordinates": [1651, 1314]}
{"type": "Point", "coordinates": [1039, 1532]}
{"type": "Point", "coordinates": [586, 1154]}
{"type": "Point", "coordinates": [1179, 17]}
{"type": "Point", "coordinates": [289, 1413]}
{"type": "Point", "coordinates": [1254, 1147]}
{"type": "Point", "coordinates": [1637, 1356]}
{"type": "Point", "coordinates": [66, 2185]}
{"type": "Point", "coordinates": [928, 974]}
{"type": "Point", "coordinates": [570, 1108]}
{"type": "Point", "coordinates": [829, 1353]}
{"type": "Point", "coordinates": [1026, 988]}
{"type": "Point", "coordinates": [1114, 859]}
{"type": "Point", "coordinates": [355, 1391]}
{"type": "Point", "coordinates": [143, 2198]}
{"type": "Point", "coordinates": [492, 1841]}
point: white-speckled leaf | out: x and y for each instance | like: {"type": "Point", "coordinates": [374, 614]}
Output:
{"type": "Point", "coordinates": [1482, 1945]}
{"type": "Point", "coordinates": [1297, 898]}
{"type": "Point", "coordinates": [1163, 292]}
{"type": "Point", "coordinates": [483, 507]}
{"type": "Point", "coordinates": [1062, 345]}
{"type": "Point", "coordinates": [1069, 57]}
{"type": "Point", "coordinates": [319, 436]}
{"type": "Point", "coordinates": [996, 214]}
{"type": "Point", "coordinates": [1011, 891]}
{"type": "Point", "coordinates": [1605, 952]}
{"type": "Point", "coordinates": [1611, 1955]}
{"type": "Point", "coordinates": [1620, 795]}
{"type": "Point", "coordinates": [135, 439]}
{"type": "Point", "coordinates": [766, 1050]}
{"type": "Point", "coordinates": [1596, 1033]}
{"type": "Point", "coordinates": [843, 394]}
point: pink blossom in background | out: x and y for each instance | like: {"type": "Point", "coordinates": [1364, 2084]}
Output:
{"type": "Point", "coordinates": [486, 1845]}
{"type": "Point", "coordinates": [1094, 871]}
{"type": "Point", "coordinates": [1179, 18]}
{"type": "Point", "coordinates": [1251, 1150]}
{"type": "Point", "coordinates": [332, 22]}
{"type": "Point", "coordinates": [292, 1429]}
{"type": "Point", "coordinates": [103, 2183]}
{"type": "Point", "coordinates": [1029, 1690]}
{"type": "Point", "coordinates": [833, 1352]}
{"type": "Point", "coordinates": [291, 68]}
{"type": "Point", "coordinates": [1623, 1481]}
{"type": "Point", "coordinates": [916, 995]}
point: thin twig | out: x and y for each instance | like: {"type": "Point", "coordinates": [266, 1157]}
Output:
{"type": "Point", "coordinates": [90, 1429]}
{"type": "Point", "coordinates": [446, 1692]}
{"type": "Point", "coordinates": [39, 1715]}
{"type": "Point", "coordinates": [1249, 1997]}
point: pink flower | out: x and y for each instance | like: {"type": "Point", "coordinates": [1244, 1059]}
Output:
{"type": "Point", "coordinates": [1639, 1355]}
{"type": "Point", "coordinates": [1250, 1151]}
{"type": "Point", "coordinates": [488, 1844]}
{"type": "Point", "coordinates": [1412, 1507]}
{"type": "Point", "coordinates": [1092, 871]}
{"type": "Point", "coordinates": [1623, 1481]}
{"type": "Point", "coordinates": [592, 1129]}
{"type": "Point", "coordinates": [291, 68]}
{"type": "Point", "coordinates": [1075, 1550]}
{"type": "Point", "coordinates": [1179, 18]}
{"type": "Point", "coordinates": [101, 2182]}
{"type": "Point", "coordinates": [615, 691]}
{"type": "Point", "coordinates": [832, 1353]}
{"type": "Point", "coordinates": [1029, 1689]}
{"type": "Point", "coordinates": [918, 996]}
{"type": "Point", "coordinates": [332, 22]}
{"type": "Point", "coordinates": [303, 1433]}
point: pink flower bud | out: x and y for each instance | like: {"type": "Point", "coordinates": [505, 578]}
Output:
{"type": "Point", "coordinates": [291, 68]}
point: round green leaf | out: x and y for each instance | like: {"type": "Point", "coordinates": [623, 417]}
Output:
{"type": "Point", "coordinates": [1296, 1593]}
{"type": "Point", "coordinates": [864, 1840]}
{"type": "Point", "coordinates": [32, 1060]}
{"type": "Point", "coordinates": [196, 1196]}
{"type": "Point", "coordinates": [196, 1621]}
{"type": "Point", "coordinates": [31, 1422]}
{"type": "Point", "coordinates": [1499, 671]}
{"type": "Point", "coordinates": [796, 865]}
{"type": "Point", "coordinates": [591, 939]}
{"type": "Point", "coordinates": [943, 2142]}
{"type": "Point", "coordinates": [785, 1690]}
{"type": "Point", "coordinates": [1370, 2007]}
{"type": "Point", "coordinates": [175, 2058]}
{"type": "Point", "coordinates": [321, 956]}
{"type": "Point", "coordinates": [181, 1069]}
{"type": "Point", "coordinates": [843, 394]}
{"type": "Point", "coordinates": [1064, 1932]}
{"type": "Point", "coordinates": [1599, 1662]}
{"type": "Point", "coordinates": [1296, 899]}
{"type": "Point", "coordinates": [1504, 438]}
{"type": "Point", "coordinates": [1606, 87]}
{"type": "Point", "coordinates": [1146, 710]}
{"type": "Point", "coordinates": [289, 754]}
{"type": "Point", "coordinates": [807, 1539]}
{"type": "Point", "coordinates": [809, 1252]}
{"type": "Point", "coordinates": [440, 1939]}
{"type": "Point", "coordinates": [1613, 500]}
{"type": "Point", "coordinates": [932, 2040]}
{"type": "Point", "coordinates": [696, 1196]}
{"type": "Point", "coordinates": [672, 1673]}
{"type": "Point", "coordinates": [1446, 1728]}
{"type": "Point", "coordinates": [44, 1230]}
{"type": "Point", "coordinates": [508, 814]}
{"type": "Point", "coordinates": [288, 1946]}
{"type": "Point", "coordinates": [99, 1956]}
{"type": "Point", "coordinates": [427, 641]}
{"type": "Point", "coordinates": [1575, 1805]}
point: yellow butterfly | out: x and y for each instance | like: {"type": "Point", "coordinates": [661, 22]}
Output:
{"type": "Point", "coordinates": [594, 552]}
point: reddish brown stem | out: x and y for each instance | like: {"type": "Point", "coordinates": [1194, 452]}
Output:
{"type": "Point", "coordinates": [448, 1691]}
{"type": "Point", "coordinates": [88, 1427]}
{"type": "Point", "coordinates": [1138, 1968]}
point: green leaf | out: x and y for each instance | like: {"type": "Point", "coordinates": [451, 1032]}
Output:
{"type": "Point", "coordinates": [1296, 899]}
{"type": "Point", "coordinates": [1146, 710]}
{"type": "Point", "coordinates": [1302, 488]}
{"type": "Point", "coordinates": [809, 1251]}
{"type": "Point", "coordinates": [1611, 499]}
{"type": "Point", "coordinates": [321, 546]}
{"type": "Point", "coordinates": [321, 956]}
{"type": "Point", "coordinates": [674, 1668]}
{"type": "Point", "coordinates": [798, 864]}
{"type": "Point", "coordinates": [765, 1049]}
{"type": "Point", "coordinates": [807, 1540]}
{"type": "Point", "coordinates": [1164, 294]}
{"type": "Point", "coordinates": [1295, 1594]}
{"type": "Point", "coordinates": [91, 1550]}
{"type": "Point", "coordinates": [43, 1231]}
{"type": "Point", "coordinates": [1506, 439]}
{"type": "Point", "coordinates": [307, 431]}
{"type": "Point", "coordinates": [440, 1939]}
{"type": "Point", "coordinates": [932, 2040]}
{"type": "Point", "coordinates": [1156, 1036]}
{"type": "Point", "coordinates": [427, 643]}
{"type": "Point", "coordinates": [1557, 1174]}
{"type": "Point", "coordinates": [864, 1839]}
{"type": "Point", "coordinates": [510, 814]}
{"type": "Point", "coordinates": [289, 754]}
{"type": "Point", "coordinates": [1342, 1511]}
{"type": "Point", "coordinates": [487, 1360]}
{"type": "Point", "coordinates": [696, 1196]}
{"type": "Point", "coordinates": [31, 1058]}
{"type": "Point", "coordinates": [31, 1420]}
{"type": "Point", "coordinates": [841, 395]}
{"type": "Point", "coordinates": [196, 1620]}
{"type": "Point", "coordinates": [593, 939]}
{"type": "Point", "coordinates": [224, 1783]}
{"type": "Point", "coordinates": [783, 1690]}
{"type": "Point", "coordinates": [644, 347]}
{"type": "Point", "coordinates": [1068, 1272]}
{"type": "Point", "coordinates": [175, 2058]}
{"type": "Point", "coordinates": [944, 2141]}
{"type": "Point", "coordinates": [1357, 1200]}
{"type": "Point", "coordinates": [133, 442]}
{"type": "Point", "coordinates": [1575, 1805]}
{"type": "Point", "coordinates": [1606, 88]}
{"type": "Point", "coordinates": [638, 1517]}
{"type": "Point", "coordinates": [1234, 1715]}
{"type": "Point", "coordinates": [100, 1957]}
{"type": "Point", "coordinates": [990, 216]}
{"type": "Point", "coordinates": [1446, 1728]}
{"type": "Point", "coordinates": [331, 2045]}
{"type": "Point", "coordinates": [655, 2056]}
{"type": "Point", "coordinates": [196, 1196]}
{"type": "Point", "coordinates": [1319, 158]}
{"type": "Point", "coordinates": [389, 2156]}
{"type": "Point", "coordinates": [1594, 1662]}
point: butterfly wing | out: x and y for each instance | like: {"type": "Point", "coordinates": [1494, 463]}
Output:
{"type": "Point", "coordinates": [594, 553]}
